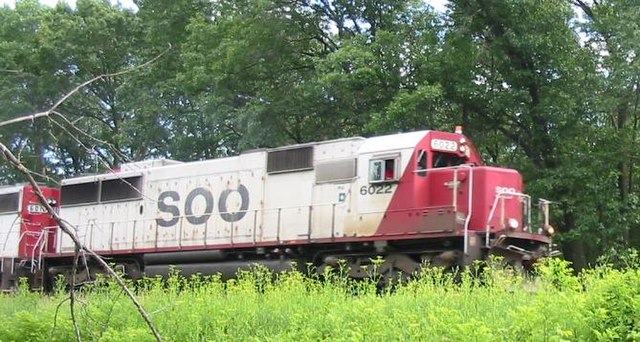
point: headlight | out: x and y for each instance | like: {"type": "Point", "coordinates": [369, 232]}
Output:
{"type": "Point", "coordinates": [549, 229]}
{"type": "Point", "coordinates": [513, 223]}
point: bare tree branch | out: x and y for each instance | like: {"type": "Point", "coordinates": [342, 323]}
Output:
{"type": "Point", "coordinates": [55, 315]}
{"type": "Point", "coordinates": [69, 230]}
{"type": "Point", "coordinates": [585, 8]}
{"type": "Point", "coordinates": [64, 225]}
{"type": "Point", "coordinates": [101, 157]}
{"type": "Point", "coordinates": [85, 134]}
{"type": "Point", "coordinates": [77, 88]}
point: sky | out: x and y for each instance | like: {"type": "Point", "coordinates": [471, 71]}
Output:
{"type": "Point", "coordinates": [439, 5]}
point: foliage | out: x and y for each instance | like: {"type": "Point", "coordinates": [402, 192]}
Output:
{"type": "Point", "coordinates": [496, 303]}
{"type": "Point", "coordinates": [549, 88]}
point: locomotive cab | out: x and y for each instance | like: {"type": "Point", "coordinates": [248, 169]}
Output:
{"type": "Point", "coordinates": [490, 206]}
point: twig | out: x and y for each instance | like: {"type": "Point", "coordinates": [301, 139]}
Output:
{"type": "Point", "coordinates": [72, 291]}
{"type": "Point", "coordinates": [95, 150]}
{"type": "Point", "coordinates": [109, 315]}
{"type": "Point", "coordinates": [55, 316]}
{"type": "Point", "coordinates": [83, 133]}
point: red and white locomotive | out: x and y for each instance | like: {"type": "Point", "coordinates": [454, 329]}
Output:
{"type": "Point", "coordinates": [27, 233]}
{"type": "Point", "coordinates": [411, 198]}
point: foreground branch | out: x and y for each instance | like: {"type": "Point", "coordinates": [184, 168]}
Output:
{"type": "Point", "coordinates": [11, 158]}
{"type": "Point", "coordinates": [76, 89]}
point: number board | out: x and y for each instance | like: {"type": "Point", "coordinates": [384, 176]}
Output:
{"type": "Point", "coordinates": [36, 209]}
{"type": "Point", "coordinates": [444, 145]}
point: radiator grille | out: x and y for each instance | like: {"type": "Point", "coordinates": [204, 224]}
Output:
{"type": "Point", "coordinates": [291, 160]}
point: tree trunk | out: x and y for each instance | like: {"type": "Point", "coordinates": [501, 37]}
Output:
{"type": "Point", "coordinates": [574, 251]}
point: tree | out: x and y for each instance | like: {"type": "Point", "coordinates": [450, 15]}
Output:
{"type": "Point", "coordinates": [518, 74]}
{"type": "Point", "coordinates": [25, 85]}
{"type": "Point", "coordinates": [612, 37]}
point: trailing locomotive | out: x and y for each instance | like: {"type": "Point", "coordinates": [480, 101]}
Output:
{"type": "Point", "coordinates": [411, 198]}
{"type": "Point", "coordinates": [27, 233]}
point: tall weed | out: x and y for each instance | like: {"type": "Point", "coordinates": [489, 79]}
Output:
{"type": "Point", "coordinates": [484, 303]}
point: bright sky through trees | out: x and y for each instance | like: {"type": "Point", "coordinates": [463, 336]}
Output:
{"type": "Point", "coordinates": [437, 4]}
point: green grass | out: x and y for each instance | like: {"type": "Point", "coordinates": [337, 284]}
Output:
{"type": "Point", "coordinates": [496, 305]}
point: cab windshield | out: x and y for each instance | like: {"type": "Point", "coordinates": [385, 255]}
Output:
{"type": "Point", "coordinates": [443, 159]}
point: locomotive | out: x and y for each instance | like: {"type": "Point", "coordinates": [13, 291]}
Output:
{"type": "Point", "coordinates": [27, 232]}
{"type": "Point", "coordinates": [411, 198]}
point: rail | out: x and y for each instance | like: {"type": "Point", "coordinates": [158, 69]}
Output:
{"type": "Point", "coordinates": [263, 224]}
{"type": "Point", "coordinates": [266, 224]}
{"type": "Point", "coordinates": [41, 234]}
{"type": "Point", "coordinates": [454, 195]}
{"type": "Point", "coordinates": [41, 244]}
{"type": "Point", "coordinates": [37, 248]}
{"type": "Point", "coordinates": [467, 219]}
{"type": "Point", "coordinates": [258, 225]}
{"type": "Point", "coordinates": [503, 197]}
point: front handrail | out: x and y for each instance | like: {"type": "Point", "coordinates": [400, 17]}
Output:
{"type": "Point", "coordinates": [33, 251]}
{"type": "Point", "coordinates": [506, 196]}
{"type": "Point", "coordinates": [42, 243]}
{"type": "Point", "coordinates": [454, 195]}
{"type": "Point", "coordinates": [38, 246]}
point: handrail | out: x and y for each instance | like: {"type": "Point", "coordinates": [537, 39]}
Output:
{"type": "Point", "coordinates": [507, 196]}
{"type": "Point", "coordinates": [33, 251]}
{"type": "Point", "coordinates": [454, 195]}
{"type": "Point", "coordinates": [467, 219]}
{"type": "Point", "coordinates": [41, 244]}
{"type": "Point", "coordinates": [272, 222]}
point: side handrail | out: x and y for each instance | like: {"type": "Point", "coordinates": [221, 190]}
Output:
{"type": "Point", "coordinates": [467, 219]}
{"type": "Point", "coordinates": [276, 217]}
{"type": "Point", "coordinates": [454, 195]}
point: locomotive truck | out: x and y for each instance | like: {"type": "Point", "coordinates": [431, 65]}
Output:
{"type": "Point", "coordinates": [410, 198]}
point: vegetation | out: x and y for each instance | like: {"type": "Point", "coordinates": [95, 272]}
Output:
{"type": "Point", "coordinates": [493, 304]}
{"type": "Point", "coordinates": [548, 87]}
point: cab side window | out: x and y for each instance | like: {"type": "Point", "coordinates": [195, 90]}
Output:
{"type": "Point", "coordinates": [383, 170]}
{"type": "Point", "coordinates": [421, 163]}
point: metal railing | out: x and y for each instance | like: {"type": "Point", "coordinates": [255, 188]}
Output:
{"type": "Point", "coordinates": [270, 220]}
{"type": "Point", "coordinates": [37, 248]}
{"type": "Point", "coordinates": [272, 217]}
{"type": "Point", "coordinates": [454, 188]}
{"type": "Point", "coordinates": [259, 225]}
{"type": "Point", "coordinates": [41, 244]}
{"type": "Point", "coordinates": [503, 197]}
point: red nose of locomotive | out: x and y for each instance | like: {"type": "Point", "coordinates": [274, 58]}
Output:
{"type": "Point", "coordinates": [499, 202]}
{"type": "Point", "coordinates": [38, 228]}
